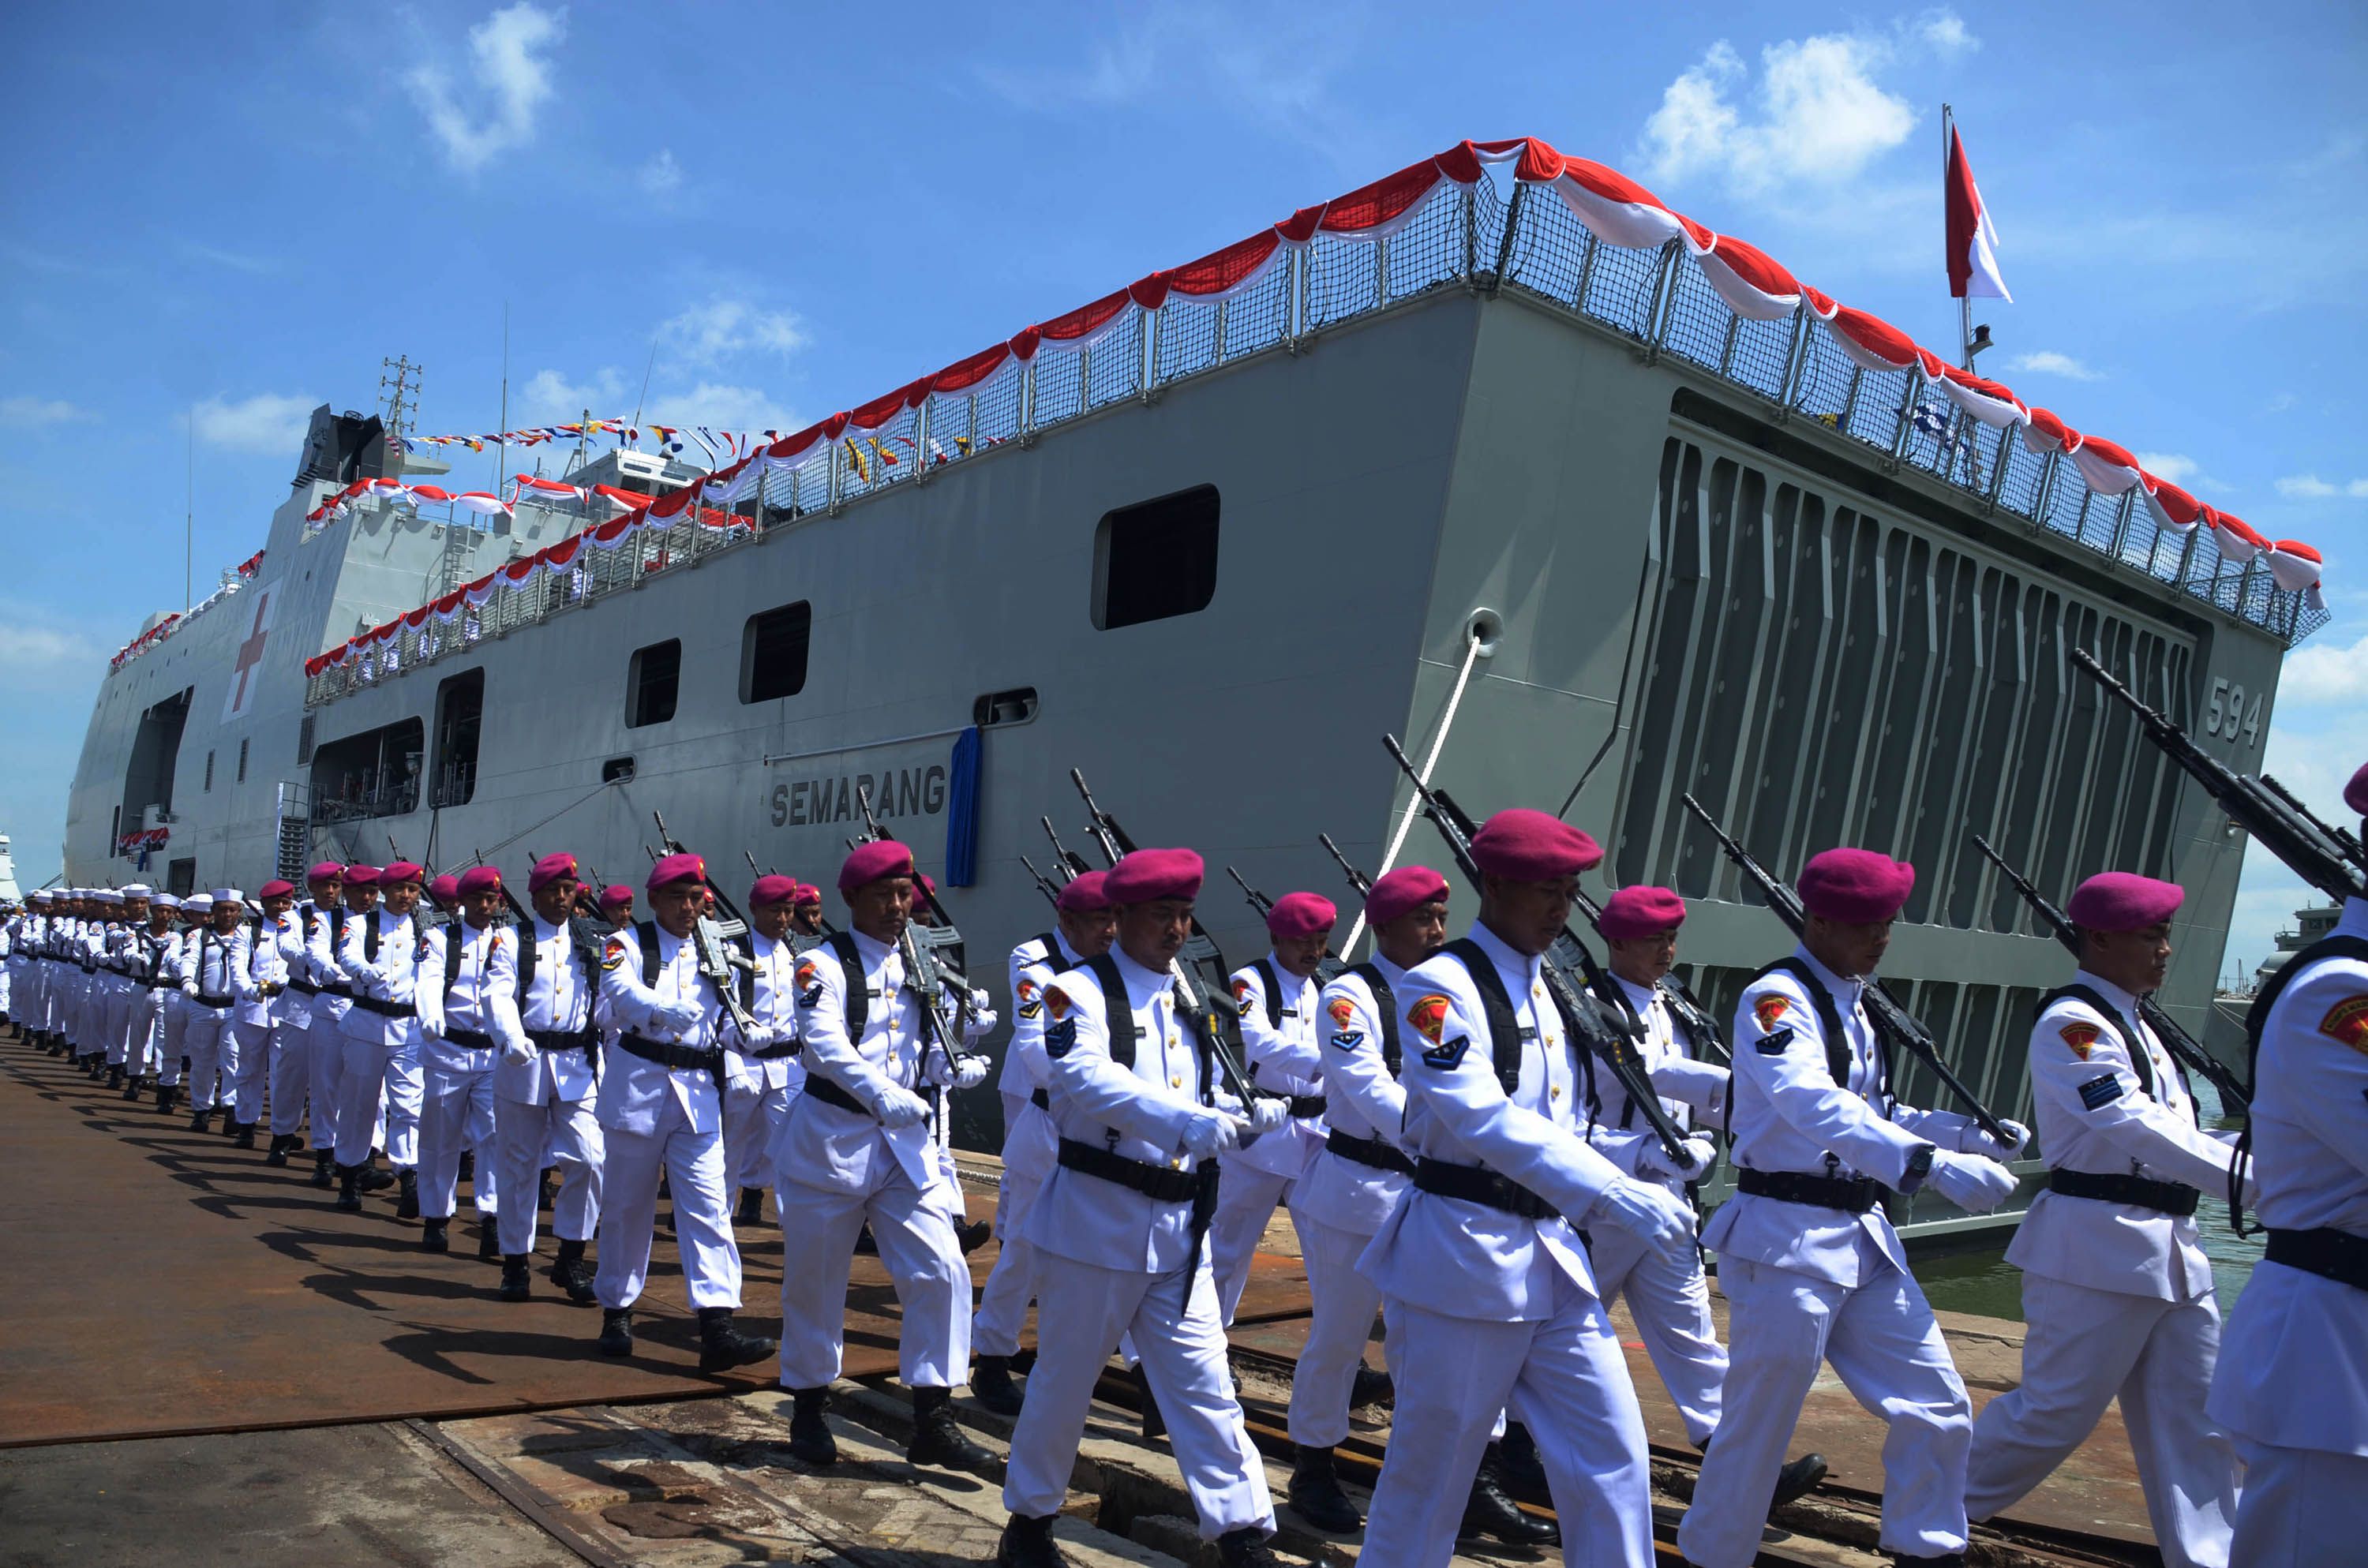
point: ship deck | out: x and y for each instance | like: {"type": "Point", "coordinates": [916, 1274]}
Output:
{"type": "Point", "coordinates": [201, 1359]}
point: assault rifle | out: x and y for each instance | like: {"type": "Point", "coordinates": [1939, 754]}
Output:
{"type": "Point", "coordinates": [2177, 1041]}
{"type": "Point", "coordinates": [1044, 884]}
{"type": "Point", "coordinates": [1326, 967]}
{"type": "Point", "coordinates": [1072, 864]}
{"type": "Point", "coordinates": [1218, 1023]}
{"type": "Point", "coordinates": [1578, 982]}
{"type": "Point", "coordinates": [933, 966]}
{"type": "Point", "coordinates": [2326, 857]}
{"type": "Point", "coordinates": [717, 956]}
{"type": "Point", "coordinates": [1676, 995]}
{"type": "Point", "coordinates": [1894, 1024]}
{"type": "Point", "coordinates": [1357, 878]}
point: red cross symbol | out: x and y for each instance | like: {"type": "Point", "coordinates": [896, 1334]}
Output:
{"type": "Point", "coordinates": [250, 654]}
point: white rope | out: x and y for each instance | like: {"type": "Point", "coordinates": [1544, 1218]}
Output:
{"type": "Point", "coordinates": [1413, 802]}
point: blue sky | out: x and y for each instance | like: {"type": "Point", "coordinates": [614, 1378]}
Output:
{"type": "Point", "coordinates": [778, 211]}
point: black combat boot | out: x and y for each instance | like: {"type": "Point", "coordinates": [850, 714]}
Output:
{"type": "Point", "coordinates": [1246, 1548]}
{"type": "Point", "coordinates": [1492, 1512]}
{"type": "Point", "coordinates": [134, 1087]}
{"type": "Point", "coordinates": [721, 1345]}
{"type": "Point", "coordinates": [468, 1172]}
{"type": "Point", "coordinates": [245, 1139]}
{"type": "Point", "coordinates": [991, 1385]}
{"type": "Point", "coordinates": [1315, 1493]}
{"type": "Point", "coordinates": [168, 1097]}
{"type": "Point", "coordinates": [1028, 1543]}
{"type": "Point", "coordinates": [324, 1161]}
{"type": "Point", "coordinates": [810, 1439]}
{"type": "Point", "coordinates": [544, 1192]}
{"type": "Point", "coordinates": [616, 1331]}
{"type": "Point", "coordinates": [938, 1440]}
{"type": "Point", "coordinates": [1154, 1425]}
{"type": "Point", "coordinates": [279, 1155]}
{"type": "Point", "coordinates": [752, 1208]}
{"type": "Point", "coordinates": [203, 1121]}
{"type": "Point", "coordinates": [349, 1196]}
{"type": "Point", "coordinates": [973, 1234]}
{"type": "Point", "coordinates": [489, 1239]}
{"type": "Point", "coordinates": [518, 1282]}
{"type": "Point", "coordinates": [1517, 1466]}
{"type": "Point", "coordinates": [571, 1272]}
{"type": "Point", "coordinates": [115, 1075]}
{"type": "Point", "coordinates": [407, 1206]}
{"type": "Point", "coordinates": [434, 1235]}
{"type": "Point", "coordinates": [1372, 1388]}
{"type": "Point", "coordinates": [1797, 1480]}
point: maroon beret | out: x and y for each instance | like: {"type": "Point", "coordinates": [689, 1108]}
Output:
{"type": "Point", "coordinates": [615, 895]}
{"type": "Point", "coordinates": [477, 880]}
{"type": "Point", "coordinates": [1146, 875]}
{"type": "Point", "coordinates": [326, 871]}
{"type": "Point", "coordinates": [1633, 913]}
{"type": "Point", "coordinates": [2121, 900]}
{"type": "Point", "coordinates": [401, 871]}
{"type": "Point", "coordinates": [275, 888]}
{"type": "Point", "coordinates": [446, 888]}
{"type": "Point", "coordinates": [867, 863]}
{"type": "Point", "coordinates": [549, 870]}
{"type": "Point", "coordinates": [2355, 794]}
{"type": "Point", "coordinates": [1084, 894]}
{"type": "Point", "coordinates": [774, 889]}
{"type": "Point", "coordinates": [1401, 890]}
{"type": "Point", "coordinates": [1523, 846]}
{"type": "Point", "coordinates": [1856, 887]}
{"type": "Point", "coordinates": [1300, 915]}
{"type": "Point", "coordinates": [361, 876]}
{"type": "Point", "coordinates": [809, 894]}
{"type": "Point", "coordinates": [672, 869]}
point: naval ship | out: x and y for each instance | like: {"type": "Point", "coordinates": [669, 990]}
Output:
{"type": "Point", "coordinates": [1497, 455]}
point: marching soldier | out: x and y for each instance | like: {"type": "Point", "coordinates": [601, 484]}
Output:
{"type": "Point", "coordinates": [616, 904]}
{"type": "Point", "coordinates": [357, 904]}
{"type": "Point", "coordinates": [291, 1028]}
{"type": "Point", "coordinates": [1084, 924]}
{"type": "Point", "coordinates": [544, 1089]}
{"type": "Point", "coordinates": [259, 981]}
{"type": "Point", "coordinates": [129, 909]}
{"type": "Point", "coordinates": [156, 979]}
{"type": "Point", "coordinates": [173, 1016]}
{"type": "Point", "coordinates": [1120, 1228]}
{"type": "Point", "coordinates": [218, 956]}
{"type": "Point", "coordinates": [2116, 1290]}
{"type": "Point", "coordinates": [661, 1112]}
{"type": "Point", "coordinates": [2292, 1385]}
{"type": "Point", "coordinates": [856, 1147]}
{"type": "Point", "coordinates": [379, 957]}
{"type": "Point", "coordinates": [805, 917]}
{"type": "Point", "coordinates": [1812, 1269]}
{"type": "Point", "coordinates": [468, 1011]}
{"type": "Point", "coordinates": [759, 1080]}
{"type": "Point", "coordinates": [1276, 998]}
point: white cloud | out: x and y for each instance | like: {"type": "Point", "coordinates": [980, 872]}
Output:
{"type": "Point", "coordinates": [513, 71]}
{"type": "Point", "coordinates": [2310, 487]}
{"type": "Point", "coordinates": [2281, 402]}
{"type": "Point", "coordinates": [722, 407]}
{"type": "Point", "coordinates": [2323, 673]}
{"type": "Point", "coordinates": [662, 176]}
{"type": "Point", "coordinates": [2172, 466]}
{"type": "Point", "coordinates": [2048, 362]}
{"type": "Point", "coordinates": [37, 411]}
{"type": "Point", "coordinates": [1943, 32]}
{"type": "Point", "coordinates": [550, 396]}
{"type": "Point", "coordinates": [266, 422]}
{"type": "Point", "coordinates": [707, 335]}
{"type": "Point", "coordinates": [237, 261]}
{"type": "Point", "coordinates": [22, 646]}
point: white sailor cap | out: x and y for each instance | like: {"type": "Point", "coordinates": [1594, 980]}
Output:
{"type": "Point", "coordinates": [201, 901]}
{"type": "Point", "coordinates": [138, 890]}
{"type": "Point", "coordinates": [108, 895]}
{"type": "Point", "coordinates": [166, 901]}
{"type": "Point", "coordinates": [226, 895]}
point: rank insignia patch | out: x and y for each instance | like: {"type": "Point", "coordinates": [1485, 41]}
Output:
{"type": "Point", "coordinates": [613, 953]}
{"type": "Point", "coordinates": [2348, 1021]}
{"type": "Point", "coordinates": [1343, 1011]}
{"type": "Point", "coordinates": [1445, 1057]}
{"type": "Point", "coordinates": [2102, 1091]}
{"type": "Point", "coordinates": [1428, 1016]}
{"type": "Point", "coordinates": [1030, 996]}
{"type": "Point", "coordinates": [1350, 1039]}
{"type": "Point", "coordinates": [1242, 997]}
{"type": "Point", "coordinates": [1060, 1037]}
{"type": "Point", "coordinates": [1770, 1011]}
{"type": "Point", "coordinates": [1774, 1042]}
{"type": "Point", "coordinates": [2080, 1037]}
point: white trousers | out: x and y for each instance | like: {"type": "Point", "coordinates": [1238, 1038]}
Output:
{"type": "Point", "coordinates": [565, 1133]}
{"type": "Point", "coordinates": [119, 1021]}
{"type": "Point", "coordinates": [914, 1228]}
{"type": "Point", "coordinates": [2302, 1508]}
{"type": "Point", "coordinates": [291, 1076]}
{"type": "Point", "coordinates": [1340, 1320]}
{"type": "Point", "coordinates": [146, 1057]}
{"type": "Point", "coordinates": [367, 1079]}
{"type": "Point", "coordinates": [406, 1084]}
{"type": "Point", "coordinates": [1246, 1199]}
{"type": "Point", "coordinates": [456, 1112]}
{"type": "Point", "coordinates": [1081, 1312]}
{"type": "Point", "coordinates": [211, 1042]}
{"type": "Point", "coordinates": [253, 1071]}
{"type": "Point", "coordinates": [751, 1117]}
{"type": "Point", "coordinates": [1565, 1378]}
{"type": "Point", "coordinates": [693, 1163]}
{"type": "Point", "coordinates": [326, 1049]}
{"type": "Point", "coordinates": [1011, 1284]}
{"type": "Point", "coordinates": [172, 1039]}
{"type": "Point", "coordinates": [1882, 1343]}
{"type": "Point", "coordinates": [2082, 1348]}
{"type": "Point", "coordinates": [1669, 1299]}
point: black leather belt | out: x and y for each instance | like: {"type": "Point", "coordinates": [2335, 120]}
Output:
{"type": "Point", "coordinates": [341, 991]}
{"type": "Point", "coordinates": [1307, 1105]}
{"type": "Point", "coordinates": [1160, 1181]}
{"type": "Point", "coordinates": [202, 1000]}
{"type": "Point", "coordinates": [302, 987]}
{"type": "Point", "coordinates": [1472, 1185]}
{"type": "Point", "coordinates": [821, 1088]}
{"type": "Point", "coordinates": [386, 1009]}
{"type": "Point", "coordinates": [773, 1054]}
{"type": "Point", "coordinates": [561, 1039]}
{"type": "Point", "coordinates": [1371, 1152]}
{"type": "Point", "coordinates": [2331, 1254]}
{"type": "Point", "coordinates": [468, 1039]}
{"type": "Point", "coordinates": [666, 1053]}
{"type": "Point", "coordinates": [2105, 1186]}
{"type": "Point", "coordinates": [1854, 1195]}
{"type": "Point", "coordinates": [1041, 1100]}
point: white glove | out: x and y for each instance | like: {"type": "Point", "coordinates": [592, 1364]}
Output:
{"type": "Point", "coordinates": [970, 1072]}
{"type": "Point", "coordinates": [1701, 1152]}
{"type": "Point", "coordinates": [1210, 1133]}
{"type": "Point", "coordinates": [680, 1017]}
{"type": "Point", "coordinates": [521, 1051]}
{"type": "Point", "coordinates": [764, 1037]}
{"type": "Point", "coordinates": [898, 1108]}
{"type": "Point", "coordinates": [1974, 1140]}
{"type": "Point", "coordinates": [188, 988]}
{"type": "Point", "coordinates": [1268, 1113]}
{"type": "Point", "coordinates": [1972, 1182]}
{"type": "Point", "coordinates": [1648, 1211]}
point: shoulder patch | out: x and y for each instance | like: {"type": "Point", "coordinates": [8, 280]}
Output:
{"type": "Point", "coordinates": [2080, 1035]}
{"type": "Point", "coordinates": [1774, 1042]}
{"type": "Point", "coordinates": [1242, 996]}
{"type": "Point", "coordinates": [2348, 1021]}
{"type": "Point", "coordinates": [1769, 1010]}
{"type": "Point", "coordinates": [2100, 1091]}
{"type": "Point", "coordinates": [1350, 1039]}
{"type": "Point", "coordinates": [1448, 1056]}
{"type": "Point", "coordinates": [1059, 1037]}
{"type": "Point", "coordinates": [1428, 1016]}
{"type": "Point", "coordinates": [1057, 1002]}
{"type": "Point", "coordinates": [612, 952]}
{"type": "Point", "coordinates": [1343, 1011]}
{"type": "Point", "coordinates": [1028, 996]}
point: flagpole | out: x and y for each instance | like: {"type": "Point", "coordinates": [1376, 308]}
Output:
{"type": "Point", "coordinates": [1964, 301]}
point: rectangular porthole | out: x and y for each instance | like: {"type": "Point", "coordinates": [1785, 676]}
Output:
{"type": "Point", "coordinates": [773, 653]}
{"type": "Point", "coordinates": [1156, 559]}
{"type": "Point", "coordinates": [653, 682]}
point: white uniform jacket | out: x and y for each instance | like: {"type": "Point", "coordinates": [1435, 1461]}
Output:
{"type": "Point", "coordinates": [1466, 1259]}
{"type": "Point", "coordinates": [1285, 1056]}
{"type": "Point", "coordinates": [259, 980]}
{"type": "Point", "coordinates": [2093, 1115]}
{"type": "Point", "coordinates": [1363, 1100]}
{"type": "Point", "coordinates": [471, 996]}
{"type": "Point", "coordinates": [388, 978]}
{"type": "Point", "coordinates": [215, 964]}
{"type": "Point", "coordinates": [1683, 1086]}
{"type": "Point", "coordinates": [1790, 1115]}
{"type": "Point", "coordinates": [293, 1005]}
{"type": "Point", "coordinates": [1031, 968]}
{"type": "Point", "coordinates": [633, 1089]}
{"type": "Point", "coordinates": [827, 1145]}
{"type": "Point", "coordinates": [558, 998]}
{"type": "Point", "coordinates": [773, 1003]}
{"type": "Point", "coordinates": [324, 947]}
{"type": "Point", "coordinates": [1139, 1113]}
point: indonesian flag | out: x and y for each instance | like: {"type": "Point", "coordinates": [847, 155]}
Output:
{"type": "Point", "coordinates": [1973, 239]}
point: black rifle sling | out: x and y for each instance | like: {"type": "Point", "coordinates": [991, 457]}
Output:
{"type": "Point", "coordinates": [1118, 1006]}
{"type": "Point", "coordinates": [1386, 1008]}
{"type": "Point", "coordinates": [859, 996]}
{"type": "Point", "coordinates": [1497, 1007]}
{"type": "Point", "coordinates": [2140, 1059]}
{"type": "Point", "coordinates": [1273, 985]}
{"type": "Point", "coordinates": [1829, 1021]}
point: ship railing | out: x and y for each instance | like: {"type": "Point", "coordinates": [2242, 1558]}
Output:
{"type": "Point", "coordinates": [1474, 238]}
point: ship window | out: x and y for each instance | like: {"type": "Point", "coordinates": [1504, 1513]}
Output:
{"type": "Point", "coordinates": [181, 877]}
{"type": "Point", "coordinates": [155, 748]}
{"type": "Point", "coordinates": [460, 709]}
{"type": "Point", "coordinates": [304, 741]}
{"type": "Point", "coordinates": [242, 761]}
{"type": "Point", "coordinates": [210, 773]}
{"type": "Point", "coordinates": [773, 653]}
{"type": "Point", "coordinates": [651, 683]}
{"type": "Point", "coordinates": [1156, 559]}
{"type": "Point", "coordinates": [374, 774]}
{"type": "Point", "coordinates": [1014, 707]}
